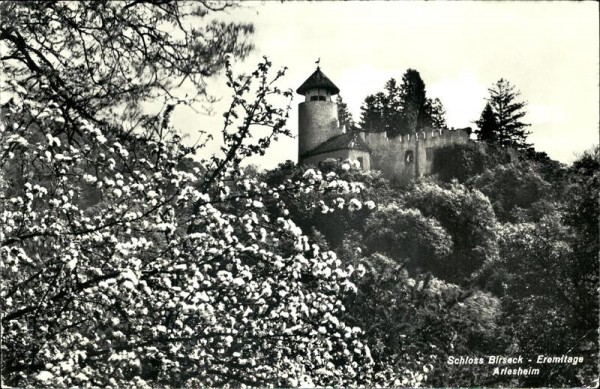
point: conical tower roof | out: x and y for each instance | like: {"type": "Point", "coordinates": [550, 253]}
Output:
{"type": "Point", "coordinates": [318, 80]}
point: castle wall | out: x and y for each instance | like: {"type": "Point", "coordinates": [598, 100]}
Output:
{"type": "Point", "coordinates": [436, 140]}
{"type": "Point", "coordinates": [404, 158]}
{"type": "Point", "coordinates": [342, 155]}
{"type": "Point", "coordinates": [388, 156]}
{"type": "Point", "coordinates": [317, 122]}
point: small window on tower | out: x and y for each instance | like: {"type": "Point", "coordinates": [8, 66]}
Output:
{"type": "Point", "coordinates": [360, 162]}
{"type": "Point", "coordinates": [314, 98]}
{"type": "Point", "coordinates": [409, 157]}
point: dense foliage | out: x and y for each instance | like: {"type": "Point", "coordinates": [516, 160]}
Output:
{"type": "Point", "coordinates": [494, 266]}
{"type": "Point", "coordinates": [463, 161]}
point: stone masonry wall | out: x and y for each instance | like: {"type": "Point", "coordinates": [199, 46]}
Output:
{"type": "Point", "coordinates": [404, 158]}
{"type": "Point", "coordinates": [317, 122]}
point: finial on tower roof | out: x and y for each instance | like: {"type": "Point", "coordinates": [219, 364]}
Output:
{"type": "Point", "coordinates": [318, 61]}
{"type": "Point", "coordinates": [318, 80]}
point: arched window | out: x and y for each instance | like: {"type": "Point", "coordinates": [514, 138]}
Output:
{"type": "Point", "coordinates": [409, 157]}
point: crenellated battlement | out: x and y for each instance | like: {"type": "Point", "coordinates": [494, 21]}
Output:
{"type": "Point", "coordinates": [376, 139]}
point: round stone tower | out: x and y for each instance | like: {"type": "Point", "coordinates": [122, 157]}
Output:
{"type": "Point", "coordinates": [318, 115]}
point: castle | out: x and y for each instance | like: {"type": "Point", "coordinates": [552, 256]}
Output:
{"type": "Point", "coordinates": [400, 159]}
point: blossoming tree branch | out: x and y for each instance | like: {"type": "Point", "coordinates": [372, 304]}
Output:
{"type": "Point", "coordinates": [124, 261]}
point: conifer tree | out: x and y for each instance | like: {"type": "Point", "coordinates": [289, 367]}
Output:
{"type": "Point", "coordinates": [432, 115]}
{"type": "Point", "coordinates": [372, 115]}
{"type": "Point", "coordinates": [393, 120]}
{"type": "Point", "coordinates": [344, 114]}
{"type": "Point", "coordinates": [488, 125]}
{"type": "Point", "coordinates": [413, 97]}
{"type": "Point", "coordinates": [508, 112]}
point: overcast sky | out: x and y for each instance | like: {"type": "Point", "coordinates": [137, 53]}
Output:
{"type": "Point", "coordinates": [548, 50]}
